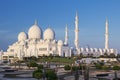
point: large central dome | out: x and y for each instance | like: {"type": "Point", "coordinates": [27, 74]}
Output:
{"type": "Point", "coordinates": [34, 32]}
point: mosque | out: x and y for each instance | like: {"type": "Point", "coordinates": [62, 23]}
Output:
{"type": "Point", "coordinates": [33, 44]}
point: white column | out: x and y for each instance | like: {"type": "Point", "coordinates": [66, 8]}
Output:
{"type": "Point", "coordinates": [76, 32]}
{"type": "Point", "coordinates": [36, 52]}
{"type": "Point", "coordinates": [60, 50]}
{"type": "Point", "coordinates": [66, 35]}
{"type": "Point", "coordinates": [106, 35]}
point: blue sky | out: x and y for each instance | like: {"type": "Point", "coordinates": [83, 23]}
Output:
{"type": "Point", "coordinates": [19, 15]}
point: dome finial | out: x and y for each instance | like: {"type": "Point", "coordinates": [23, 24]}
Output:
{"type": "Point", "coordinates": [35, 22]}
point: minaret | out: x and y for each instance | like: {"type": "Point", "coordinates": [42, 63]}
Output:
{"type": "Point", "coordinates": [66, 35]}
{"type": "Point", "coordinates": [76, 32]}
{"type": "Point", "coordinates": [106, 35]}
{"type": "Point", "coordinates": [35, 22]}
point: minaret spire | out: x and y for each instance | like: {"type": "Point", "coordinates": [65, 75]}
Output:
{"type": "Point", "coordinates": [76, 13]}
{"type": "Point", "coordinates": [106, 35]}
{"type": "Point", "coordinates": [76, 31]}
{"type": "Point", "coordinates": [35, 22]}
{"type": "Point", "coordinates": [66, 35]}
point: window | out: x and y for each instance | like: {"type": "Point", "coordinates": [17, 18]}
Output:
{"type": "Point", "coordinates": [12, 50]}
{"type": "Point", "coordinates": [42, 49]}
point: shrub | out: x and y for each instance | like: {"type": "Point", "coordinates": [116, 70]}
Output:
{"type": "Point", "coordinates": [32, 64]}
{"type": "Point", "coordinates": [98, 66]}
{"type": "Point", "coordinates": [51, 75]}
{"type": "Point", "coordinates": [37, 74]}
{"type": "Point", "coordinates": [105, 67]}
{"type": "Point", "coordinates": [40, 66]}
{"type": "Point", "coordinates": [74, 68]}
{"type": "Point", "coordinates": [116, 68]}
{"type": "Point", "coordinates": [82, 67]}
{"type": "Point", "coordinates": [67, 67]}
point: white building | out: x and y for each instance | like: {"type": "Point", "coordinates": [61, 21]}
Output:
{"type": "Point", "coordinates": [94, 51]}
{"type": "Point", "coordinates": [32, 44]}
{"type": "Point", "coordinates": [1, 53]}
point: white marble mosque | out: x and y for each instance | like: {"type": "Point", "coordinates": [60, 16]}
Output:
{"type": "Point", "coordinates": [38, 43]}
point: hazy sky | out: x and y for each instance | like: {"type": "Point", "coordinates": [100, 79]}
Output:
{"type": "Point", "coordinates": [19, 15]}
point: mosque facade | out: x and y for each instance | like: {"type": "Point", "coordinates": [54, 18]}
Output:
{"type": "Point", "coordinates": [33, 44]}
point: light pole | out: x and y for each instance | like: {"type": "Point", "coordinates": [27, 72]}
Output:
{"type": "Point", "coordinates": [86, 72]}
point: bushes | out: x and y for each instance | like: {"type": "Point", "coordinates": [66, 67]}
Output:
{"type": "Point", "coordinates": [116, 68]}
{"type": "Point", "coordinates": [82, 67]}
{"type": "Point", "coordinates": [74, 68]}
{"type": "Point", "coordinates": [56, 59]}
{"type": "Point", "coordinates": [115, 73]}
{"type": "Point", "coordinates": [105, 67]}
{"type": "Point", "coordinates": [51, 75]}
{"type": "Point", "coordinates": [42, 73]}
{"type": "Point", "coordinates": [32, 64]}
{"type": "Point", "coordinates": [40, 66]}
{"type": "Point", "coordinates": [98, 66]}
{"type": "Point", "coordinates": [37, 74]}
{"type": "Point", "coordinates": [67, 67]}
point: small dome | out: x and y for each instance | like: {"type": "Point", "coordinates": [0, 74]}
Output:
{"type": "Point", "coordinates": [60, 42]}
{"type": "Point", "coordinates": [49, 34]}
{"type": "Point", "coordinates": [22, 36]}
{"type": "Point", "coordinates": [35, 32]}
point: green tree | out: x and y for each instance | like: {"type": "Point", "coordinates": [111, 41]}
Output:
{"type": "Point", "coordinates": [33, 58]}
{"type": "Point", "coordinates": [40, 66]}
{"type": "Point", "coordinates": [115, 68]}
{"type": "Point", "coordinates": [67, 67]}
{"type": "Point", "coordinates": [37, 74]}
{"type": "Point", "coordinates": [51, 75]}
{"type": "Point", "coordinates": [32, 64]}
{"type": "Point", "coordinates": [98, 66]}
